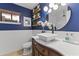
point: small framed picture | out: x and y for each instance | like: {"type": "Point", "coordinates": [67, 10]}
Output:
{"type": "Point", "coordinates": [27, 21]}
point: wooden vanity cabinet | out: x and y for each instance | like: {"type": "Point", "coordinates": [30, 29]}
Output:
{"type": "Point", "coordinates": [41, 50]}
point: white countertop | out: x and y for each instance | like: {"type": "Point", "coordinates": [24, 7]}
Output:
{"type": "Point", "coordinates": [64, 48]}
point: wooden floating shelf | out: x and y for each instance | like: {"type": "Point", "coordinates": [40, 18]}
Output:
{"type": "Point", "coordinates": [36, 15]}
{"type": "Point", "coordinates": [36, 11]}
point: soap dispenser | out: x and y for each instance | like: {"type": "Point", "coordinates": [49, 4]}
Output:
{"type": "Point", "coordinates": [71, 36]}
{"type": "Point", "coordinates": [67, 37]}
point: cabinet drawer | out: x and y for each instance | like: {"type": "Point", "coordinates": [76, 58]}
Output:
{"type": "Point", "coordinates": [42, 49]}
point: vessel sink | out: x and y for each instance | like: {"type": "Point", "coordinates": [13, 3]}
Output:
{"type": "Point", "coordinates": [47, 36]}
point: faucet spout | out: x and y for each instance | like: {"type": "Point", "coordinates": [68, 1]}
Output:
{"type": "Point", "coordinates": [52, 29]}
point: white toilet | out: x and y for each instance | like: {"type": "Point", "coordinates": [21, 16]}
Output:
{"type": "Point", "coordinates": [27, 48]}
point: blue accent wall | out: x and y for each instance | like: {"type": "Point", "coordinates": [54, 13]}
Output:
{"type": "Point", "coordinates": [43, 13]}
{"type": "Point", "coordinates": [13, 7]}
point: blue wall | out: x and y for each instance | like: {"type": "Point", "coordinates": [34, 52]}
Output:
{"type": "Point", "coordinates": [12, 7]}
{"type": "Point", "coordinates": [43, 13]}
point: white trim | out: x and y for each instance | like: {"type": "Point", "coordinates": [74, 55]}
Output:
{"type": "Point", "coordinates": [9, 22]}
{"type": "Point", "coordinates": [26, 19]}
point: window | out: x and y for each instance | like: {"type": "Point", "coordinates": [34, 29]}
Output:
{"type": "Point", "coordinates": [16, 18]}
{"type": "Point", "coordinates": [6, 17]}
{"type": "Point", "coordinates": [10, 17]}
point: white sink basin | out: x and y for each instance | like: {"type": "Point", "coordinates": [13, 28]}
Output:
{"type": "Point", "coordinates": [47, 36]}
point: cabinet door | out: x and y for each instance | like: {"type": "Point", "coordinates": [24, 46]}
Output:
{"type": "Point", "coordinates": [53, 53]}
{"type": "Point", "coordinates": [39, 49]}
{"type": "Point", "coordinates": [33, 51]}
{"type": "Point", "coordinates": [36, 52]}
{"type": "Point", "coordinates": [40, 54]}
{"type": "Point", "coordinates": [42, 49]}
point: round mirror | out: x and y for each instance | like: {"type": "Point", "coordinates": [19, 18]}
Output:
{"type": "Point", "coordinates": [60, 17]}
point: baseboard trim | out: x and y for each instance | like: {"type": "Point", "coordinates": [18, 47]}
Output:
{"type": "Point", "coordinates": [14, 53]}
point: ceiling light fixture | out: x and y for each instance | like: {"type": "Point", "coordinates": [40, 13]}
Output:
{"type": "Point", "coordinates": [50, 10]}
{"type": "Point", "coordinates": [45, 9]}
{"type": "Point", "coordinates": [51, 5]}
{"type": "Point", "coordinates": [63, 4]}
{"type": "Point", "coordinates": [55, 7]}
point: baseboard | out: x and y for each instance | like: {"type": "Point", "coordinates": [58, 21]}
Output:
{"type": "Point", "coordinates": [14, 53]}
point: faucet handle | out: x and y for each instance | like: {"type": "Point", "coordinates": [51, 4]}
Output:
{"type": "Point", "coordinates": [67, 34]}
{"type": "Point", "coordinates": [71, 34]}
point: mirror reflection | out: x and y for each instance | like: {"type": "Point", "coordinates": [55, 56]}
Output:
{"type": "Point", "coordinates": [60, 15]}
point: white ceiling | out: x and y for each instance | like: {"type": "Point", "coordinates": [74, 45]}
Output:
{"type": "Point", "coordinates": [27, 5]}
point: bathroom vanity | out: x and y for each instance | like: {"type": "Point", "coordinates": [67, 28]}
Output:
{"type": "Point", "coordinates": [57, 47]}
{"type": "Point", "coordinates": [42, 50]}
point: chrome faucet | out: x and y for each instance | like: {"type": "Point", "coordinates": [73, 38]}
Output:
{"type": "Point", "coordinates": [52, 28]}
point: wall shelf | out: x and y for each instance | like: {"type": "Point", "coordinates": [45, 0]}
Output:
{"type": "Point", "coordinates": [36, 15]}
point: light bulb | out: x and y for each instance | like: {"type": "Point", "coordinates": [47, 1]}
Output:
{"type": "Point", "coordinates": [55, 7]}
{"type": "Point", "coordinates": [39, 22]}
{"type": "Point", "coordinates": [45, 9]}
{"type": "Point", "coordinates": [50, 10]}
{"type": "Point", "coordinates": [63, 4]}
{"type": "Point", "coordinates": [51, 5]}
